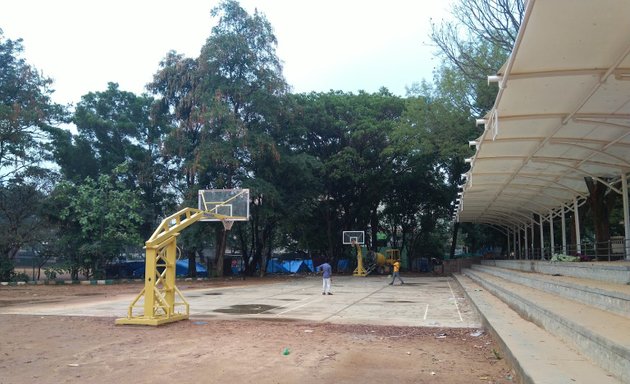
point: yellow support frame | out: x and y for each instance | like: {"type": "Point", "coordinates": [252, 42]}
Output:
{"type": "Point", "coordinates": [162, 298]}
{"type": "Point", "coordinates": [359, 270]}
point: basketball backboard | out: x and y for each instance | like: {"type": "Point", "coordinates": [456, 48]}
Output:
{"type": "Point", "coordinates": [356, 236]}
{"type": "Point", "coordinates": [224, 204]}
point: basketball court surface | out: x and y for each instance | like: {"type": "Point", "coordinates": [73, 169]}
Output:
{"type": "Point", "coordinates": [420, 302]}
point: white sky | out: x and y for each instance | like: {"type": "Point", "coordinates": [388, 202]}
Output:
{"type": "Point", "coordinates": [347, 45]}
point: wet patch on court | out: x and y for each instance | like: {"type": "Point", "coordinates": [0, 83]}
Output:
{"type": "Point", "coordinates": [247, 309]}
{"type": "Point", "coordinates": [398, 301]}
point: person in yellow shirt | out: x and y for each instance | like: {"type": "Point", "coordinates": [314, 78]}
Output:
{"type": "Point", "coordinates": [396, 273]}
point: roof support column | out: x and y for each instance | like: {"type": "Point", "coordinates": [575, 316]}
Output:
{"type": "Point", "coordinates": [542, 237]}
{"type": "Point", "coordinates": [525, 241]}
{"type": "Point", "coordinates": [507, 252]}
{"type": "Point", "coordinates": [518, 241]}
{"type": "Point", "coordinates": [552, 242]}
{"type": "Point", "coordinates": [578, 237]}
{"type": "Point", "coordinates": [564, 232]}
{"type": "Point", "coordinates": [517, 230]}
{"type": "Point", "coordinates": [511, 250]}
{"type": "Point", "coordinates": [626, 219]}
{"type": "Point", "coordinates": [533, 240]}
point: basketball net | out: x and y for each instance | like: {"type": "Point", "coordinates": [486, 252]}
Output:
{"type": "Point", "coordinates": [227, 224]}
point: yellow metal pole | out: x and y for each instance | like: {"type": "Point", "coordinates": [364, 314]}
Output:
{"type": "Point", "coordinates": [149, 281]}
{"type": "Point", "coordinates": [359, 271]}
{"type": "Point", "coordinates": [160, 292]}
{"type": "Point", "coordinates": [169, 284]}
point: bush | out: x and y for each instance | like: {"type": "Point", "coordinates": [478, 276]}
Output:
{"type": "Point", "coordinates": [51, 273]}
{"type": "Point", "coordinates": [20, 277]}
{"type": "Point", "coordinates": [6, 269]}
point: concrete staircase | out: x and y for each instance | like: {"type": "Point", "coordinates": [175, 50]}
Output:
{"type": "Point", "coordinates": [556, 322]}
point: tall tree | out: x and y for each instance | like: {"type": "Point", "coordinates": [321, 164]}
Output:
{"type": "Point", "coordinates": [21, 222]}
{"type": "Point", "coordinates": [25, 107]}
{"type": "Point", "coordinates": [473, 44]}
{"type": "Point", "coordinates": [349, 135]}
{"type": "Point", "coordinates": [477, 31]}
{"type": "Point", "coordinates": [426, 149]}
{"type": "Point", "coordinates": [116, 127]}
{"type": "Point", "coordinates": [223, 105]}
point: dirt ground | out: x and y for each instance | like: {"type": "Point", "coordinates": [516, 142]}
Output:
{"type": "Point", "coordinates": [51, 349]}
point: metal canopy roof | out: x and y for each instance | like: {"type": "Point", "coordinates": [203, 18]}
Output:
{"type": "Point", "coordinates": [562, 114]}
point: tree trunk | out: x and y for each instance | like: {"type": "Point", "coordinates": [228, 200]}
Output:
{"type": "Point", "coordinates": [12, 252]}
{"type": "Point", "coordinates": [374, 227]}
{"type": "Point", "coordinates": [220, 250]}
{"type": "Point", "coordinates": [536, 241]}
{"type": "Point", "coordinates": [208, 266]}
{"type": "Point", "coordinates": [454, 241]}
{"type": "Point", "coordinates": [598, 202]}
{"type": "Point", "coordinates": [244, 251]}
{"type": "Point", "coordinates": [191, 255]}
{"type": "Point", "coordinates": [258, 257]}
{"type": "Point", "coordinates": [406, 242]}
{"type": "Point", "coordinates": [329, 230]}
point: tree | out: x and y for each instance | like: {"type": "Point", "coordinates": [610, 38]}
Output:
{"type": "Point", "coordinates": [123, 128]}
{"type": "Point", "coordinates": [65, 246]}
{"type": "Point", "coordinates": [424, 149]}
{"type": "Point", "coordinates": [480, 30]}
{"type": "Point", "coordinates": [474, 45]}
{"type": "Point", "coordinates": [25, 107]}
{"type": "Point", "coordinates": [348, 135]}
{"type": "Point", "coordinates": [601, 201]}
{"type": "Point", "coordinates": [223, 105]}
{"type": "Point", "coordinates": [106, 212]}
{"type": "Point", "coordinates": [21, 223]}
{"type": "Point", "coordinates": [116, 127]}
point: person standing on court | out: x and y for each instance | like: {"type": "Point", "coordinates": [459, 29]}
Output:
{"type": "Point", "coordinates": [396, 273]}
{"type": "Point", "coordinates": [326, 270]}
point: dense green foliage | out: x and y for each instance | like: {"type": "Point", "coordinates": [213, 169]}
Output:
{"type": "Point", "coordinates": [25, 111]}
{"type": "Point", "coordinates": [105, 214]}
{"type": "Point", "coordinates": [316, 164]}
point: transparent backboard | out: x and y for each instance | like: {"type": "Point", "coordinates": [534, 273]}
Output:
{"type": "Point", "coordinates": [356, 236]}
{"type": "Point", "coordinates": [224, 204]}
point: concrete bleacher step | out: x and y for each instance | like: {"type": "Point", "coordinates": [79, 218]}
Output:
{"type": "Point", "coordinates": [607, 296]}
{"type": "Point", "coordinates": [597, 334]}
{"type": "Point", "coordinates": [536, 355]}
{"type": "Point", "coordinates": [616, 272]}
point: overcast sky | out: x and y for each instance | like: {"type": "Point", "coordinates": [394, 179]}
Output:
{"type": "Point", "coordinates": [347, 45]}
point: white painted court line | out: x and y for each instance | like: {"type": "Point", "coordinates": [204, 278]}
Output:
{"type": "Point", "coordinates": [455, 300]}
{"type": "Point", "coordinates": [354, 303]}
{"type": "Point", "coordinates": [299, 306]}
{"type": "Point", "coordinates": [426, 312]}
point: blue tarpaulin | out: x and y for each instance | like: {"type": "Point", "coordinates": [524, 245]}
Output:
{"type": "Point", "coordinates": [275, 266]}
{"type": "Point", "coordinates": [135, 269]}
{"type": "Point", "coordinates": [181, 268]}
{"type": "Point", "coordinates": [343, 265]}
{"type": "Point", "coordinates": [289, 266]}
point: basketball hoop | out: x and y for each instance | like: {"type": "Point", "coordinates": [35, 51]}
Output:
{"type": "Point", "coordinates": [227, 224]}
